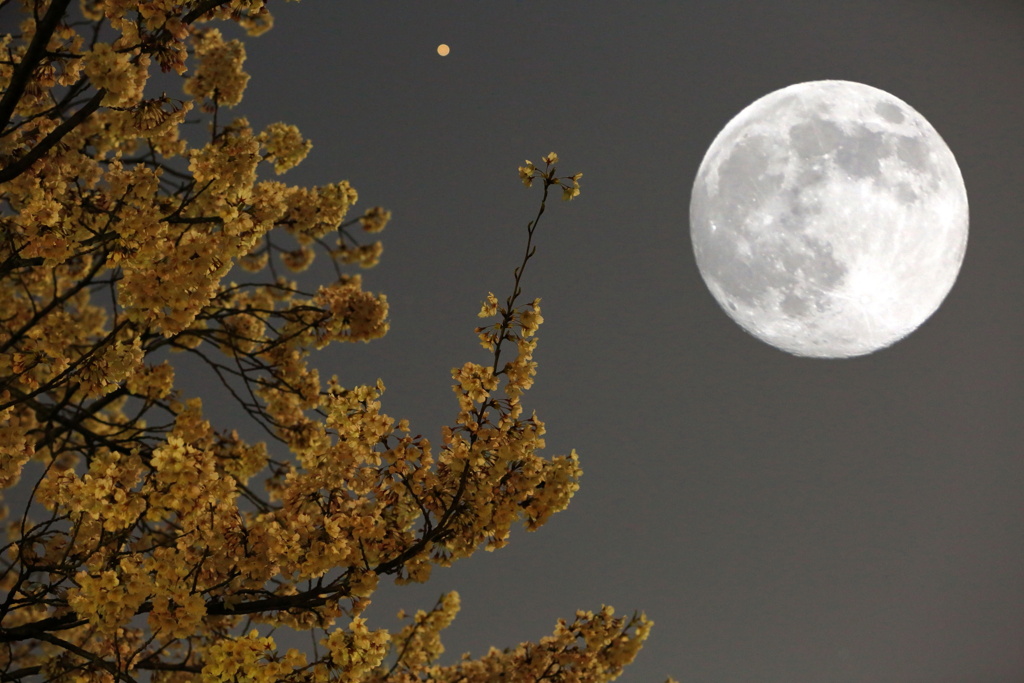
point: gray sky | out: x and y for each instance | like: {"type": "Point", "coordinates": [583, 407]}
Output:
{"type": "Point", "coordinates": [780, 518]}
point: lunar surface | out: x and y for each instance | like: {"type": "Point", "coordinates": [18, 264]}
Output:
{"type": "Point", "coordinates": [829, 219]}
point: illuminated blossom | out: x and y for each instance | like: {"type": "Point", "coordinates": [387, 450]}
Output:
{"type": "Point", "coordinates": [219, 76]}
{"type": "Point", "coordinates": [375, 219]}
{"type": "Point", "coordinates": [284, 146]}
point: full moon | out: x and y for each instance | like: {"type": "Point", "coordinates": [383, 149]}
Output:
{"type": "Point", "coordinates": [829, 219]}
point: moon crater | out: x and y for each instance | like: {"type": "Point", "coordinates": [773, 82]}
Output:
{"type": "Point", "coordinates": [829, 219]}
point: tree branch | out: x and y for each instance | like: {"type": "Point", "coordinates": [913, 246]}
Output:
{"type": "Point", "coordinates": [34, 54]}
{"type": "Point", "coordinates": [90, 656]}
{"type": "Point", "coordinates": [35, 629]}
{"type": "Point", "coordinates": [18, 674]}
{"type": "Point", "coordinates": [24, 163]}
{"type": "Point", "coordinates": [202, 8]}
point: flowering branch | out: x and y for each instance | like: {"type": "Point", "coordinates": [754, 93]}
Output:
{"type": "Point", "coordinates": [150, 540]}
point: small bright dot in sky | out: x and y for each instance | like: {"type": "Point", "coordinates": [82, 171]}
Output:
{"type": "Point", "coordinates": [443, 50]}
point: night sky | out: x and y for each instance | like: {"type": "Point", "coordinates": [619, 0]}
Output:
{"type": "Point", "coordinates": [779, 518]}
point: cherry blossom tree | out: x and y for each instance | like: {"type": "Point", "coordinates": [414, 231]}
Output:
{"type": "Point", "coordinates": [144, 542]}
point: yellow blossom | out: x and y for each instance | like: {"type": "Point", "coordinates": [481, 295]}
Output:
{"type": "Point", "coordinates": [284, 146]}
{"type": "Point", "coordinates": [526, 173]}
{"type": "Point", "coordinates": [375, 219]}
{"type": "Point", "coordinates": [219, 76]}
{"type": "Point", "coordinates": [489, 307]}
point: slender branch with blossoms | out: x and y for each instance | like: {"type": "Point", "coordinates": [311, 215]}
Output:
{"type": "Point", "coordinates": [143, 542]}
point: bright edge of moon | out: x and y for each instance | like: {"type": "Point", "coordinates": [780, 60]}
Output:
{"type": "Point", "coordinates": [443, 50]}
{"type": "Point", "coordinates": [829, 219]}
